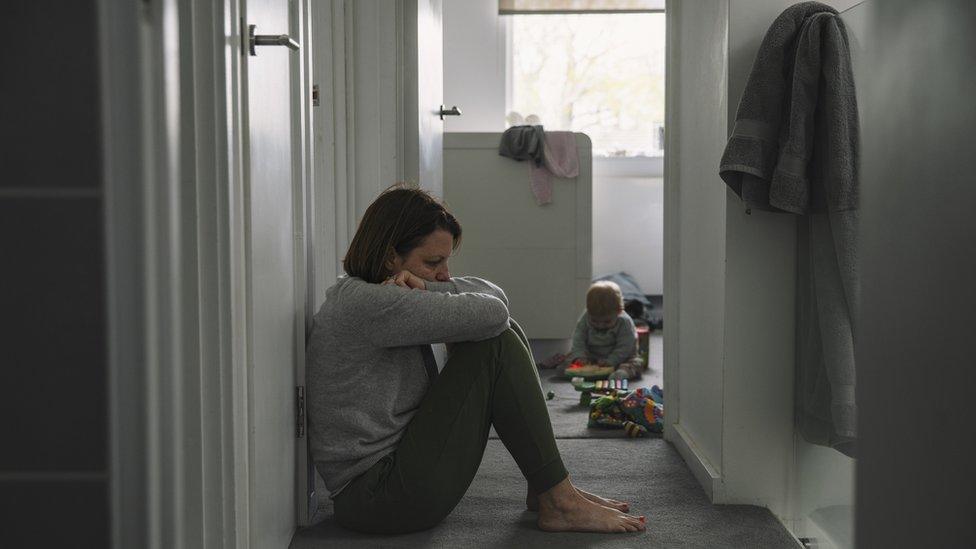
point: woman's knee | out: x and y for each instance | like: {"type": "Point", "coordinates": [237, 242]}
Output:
{"type": "Point", "coordinates": [506, 337]}
{"type": "Point", "coordinates": [505, 349]}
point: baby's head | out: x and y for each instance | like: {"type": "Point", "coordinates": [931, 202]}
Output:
{"type": "Point", "coordinates": [604, 302]}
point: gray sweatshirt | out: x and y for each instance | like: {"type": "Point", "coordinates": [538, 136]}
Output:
{"type": "Point", "coordinates": [365, 368]}
{"type": "Point", "coordinates": [613, 345]}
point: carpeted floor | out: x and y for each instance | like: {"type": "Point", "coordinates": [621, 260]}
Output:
{"type": "Point", "coordinates": [646, 472]}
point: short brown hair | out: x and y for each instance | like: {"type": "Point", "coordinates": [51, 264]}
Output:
{"type": "Point", "coordinates": [604, 298]}
{"type": "Point", "coordinates": [398, 221]}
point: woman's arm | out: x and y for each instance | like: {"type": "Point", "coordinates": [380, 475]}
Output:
{"type": "Point", "coordinates": [393, 316]}
{"type": "Point", "coordinates": [468, 284]}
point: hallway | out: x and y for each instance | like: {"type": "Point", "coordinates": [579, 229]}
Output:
{"type": "Point", "coordinates": [183, 179]}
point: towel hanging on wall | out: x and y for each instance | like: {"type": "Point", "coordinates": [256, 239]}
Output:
{"type": "Point", "coordinates": [794, 148]}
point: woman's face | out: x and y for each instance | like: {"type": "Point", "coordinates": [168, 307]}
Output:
{"type": "Point", "coordinates": [429, 260]}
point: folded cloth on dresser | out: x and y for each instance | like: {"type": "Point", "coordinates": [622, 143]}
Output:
{"type": "Point", "coordinates": [523, 143]}
{"type": "Point", "coordinates": [552, 154]}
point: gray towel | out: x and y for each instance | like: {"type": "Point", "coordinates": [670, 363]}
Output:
{"type": "Point", "coordinates": [827, 296]}
{"type": "Point", "coordinates": [794, 148]}
{"type": "Point", "coordinates": [771, 160]}
{"type": "Point", "coordinates": [523, 143]}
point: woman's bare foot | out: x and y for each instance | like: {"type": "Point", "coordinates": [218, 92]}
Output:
{"type": "Point", "coordinates": [564, 509]}
{"type": "Point", "coordinates": [532, 501]}
{"type": "Point", "coordinates": [606, 502]}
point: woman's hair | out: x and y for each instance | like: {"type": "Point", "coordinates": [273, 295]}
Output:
{"type": "Point", "coordinates": [604, 298]}
{"type": "Point", "coordinates": [397, 221]}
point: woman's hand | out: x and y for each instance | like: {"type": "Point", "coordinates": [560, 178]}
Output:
{"type": "Point", "coordinates": [406, 279]}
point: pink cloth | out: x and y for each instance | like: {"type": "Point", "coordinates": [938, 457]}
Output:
{"type": "Point", "coordinates": [561, 159]}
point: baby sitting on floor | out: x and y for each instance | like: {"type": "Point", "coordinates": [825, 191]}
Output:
{"type": "Point", "coordinates": [605, 335]}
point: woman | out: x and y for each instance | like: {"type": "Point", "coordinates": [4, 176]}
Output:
{"type": "Point", "coordinates": [397, 442]}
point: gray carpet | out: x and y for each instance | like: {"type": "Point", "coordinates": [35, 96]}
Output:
{"type": "Point", "coordinates": [654, 480]}
{"type": "Point", "coordinates": [646, 472]}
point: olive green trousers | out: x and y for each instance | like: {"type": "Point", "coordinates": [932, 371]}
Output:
{"type": "Point", "coordinates": [483, 383]}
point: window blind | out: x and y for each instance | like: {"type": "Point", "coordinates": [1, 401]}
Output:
{"type": "Point", "coordinates": [509, 7]}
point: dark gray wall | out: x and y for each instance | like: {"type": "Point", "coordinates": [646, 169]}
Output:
{"type": "Point", "coordinates": [917, 328]}
{"type": "Point", "coordinates": [53, 378]}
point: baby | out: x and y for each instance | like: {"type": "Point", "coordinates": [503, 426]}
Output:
{"type": "Point", "coordinates": [605, 334]}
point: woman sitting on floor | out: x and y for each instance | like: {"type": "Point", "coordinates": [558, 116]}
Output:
{"type": "Point", "coordinates": [398, 443]}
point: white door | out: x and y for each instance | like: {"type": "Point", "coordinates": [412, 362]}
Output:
{"type": "Point", "coordinates": [423, 84]}
{"type": "Point", "coordinates": [430, 93]}
{"type": "Point", "coordinates": [273, 297]}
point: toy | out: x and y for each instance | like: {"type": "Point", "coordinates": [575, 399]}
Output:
{"type": "Point", "coordinates": [600, 386]}
{"type": "Point", "coordinates": [643, 343]}
{"type": "Point", "coordinates": [578, 368]}
{"type": "Point", "coordinates": [637, 412]}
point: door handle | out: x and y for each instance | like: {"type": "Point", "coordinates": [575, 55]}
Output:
{"type": "Point", "coordinates": [255, 40]}
{"type": "Point", "coordinates": [453, 111]}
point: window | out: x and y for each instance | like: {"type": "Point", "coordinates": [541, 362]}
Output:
{"type": "Point", "coordinates": [596, 73]}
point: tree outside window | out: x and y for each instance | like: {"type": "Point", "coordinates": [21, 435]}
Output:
{"type": "Point", "coordinates": [600, 74]}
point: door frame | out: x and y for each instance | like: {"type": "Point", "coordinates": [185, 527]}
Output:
{"type": "Point", "coordinates": [672, 237]}
{"type": "Point", "coordinates": [356, 140]}
{"type": "Point", "coordinates": [303, 177]}
{"type": "Point", "coordinates": [174, 183]}
{"type": "Point", "coordinates": [179, 429]}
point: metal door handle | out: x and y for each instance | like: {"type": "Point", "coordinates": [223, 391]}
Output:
{"type": "Point", "coordinates": [453, 111]}
{"type": "Point", "coordinates": [269, 40]}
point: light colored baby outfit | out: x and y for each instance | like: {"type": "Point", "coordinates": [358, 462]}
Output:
{"type": "Point", "coordinates": [616, 346]}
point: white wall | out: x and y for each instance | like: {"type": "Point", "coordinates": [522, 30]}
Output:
{"type": "Point", "coordinates": [628, 221]}
{"type": "Point", "coordinates": [474, 65]}
{"type": "Point", "coordinates": [695, 276]}
{"type": "Point", "coordinates": [759, 313]}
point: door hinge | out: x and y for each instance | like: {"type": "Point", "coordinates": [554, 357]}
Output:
{"type": "Point", "coordinates": [300, 411]}
{"type": "Point", "coordinates": [315, 95]}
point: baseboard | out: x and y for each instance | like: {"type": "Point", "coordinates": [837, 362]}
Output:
{"type": "Point", "coordinates": [706, 473]}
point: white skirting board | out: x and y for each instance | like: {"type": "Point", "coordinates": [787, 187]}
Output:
{"type": "Point", "coordinates": [705, 472]}
{"type": "Point", "coordinates": [540, 255]}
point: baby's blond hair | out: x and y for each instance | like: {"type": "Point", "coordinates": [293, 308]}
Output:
{"type": "Point", "coordinates": [604, 299]}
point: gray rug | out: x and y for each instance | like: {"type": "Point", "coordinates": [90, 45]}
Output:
{"type": "Point", "coordinates": [648, 474]}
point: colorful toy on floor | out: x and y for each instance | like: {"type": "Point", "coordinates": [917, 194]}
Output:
{"type": "Point", "coordinates": [601, 386]}
{"type": "Point", "coordinates": [587, 371]}
{"type": "Point", "coordinates": [637, 412]}
{"type": "Point", "coordinates": [644, 343]}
